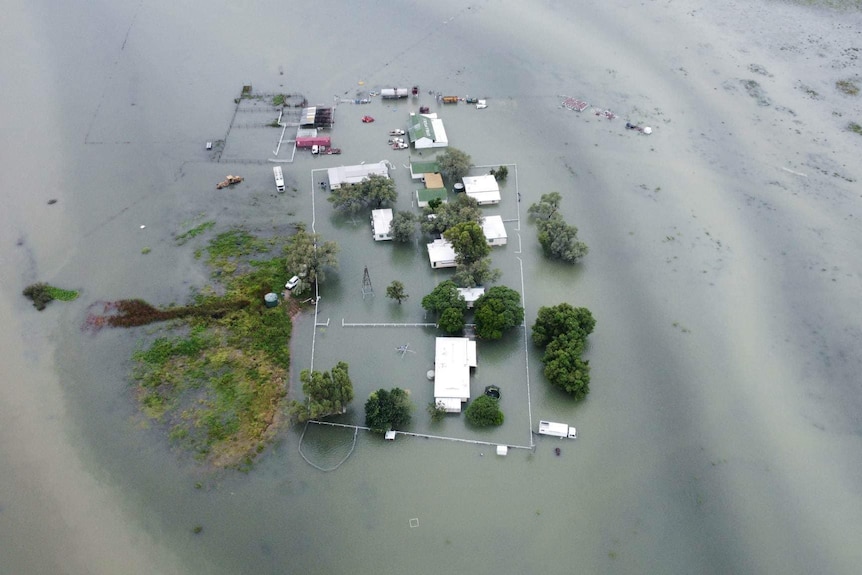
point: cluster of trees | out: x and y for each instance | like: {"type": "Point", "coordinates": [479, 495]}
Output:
{"type": "Point", "coordinates": [403, 226]}
{"type": "Point", "coordinates": [500, 174]}
{"type": "Point", "coordinates": [307, 255]}
{"type": "Point", "coordinates": [448, 305]}
{"type": "Point", "coordinates": [484, 411]}
{"type": "Point", "coordinates": [559, 240]}
{"type": "Point", "coordinates": [496, 311]}
{"type": "Point", "coordinates": [562, 331]}
{"type": "Point", "coordinates": [460, 223]}
{"type": "Point", "coordinates": [326, 393]}
{"type": "Point", "coordinates": [388, 409]}
{"type": "Point", "coordinates": [373, 191]}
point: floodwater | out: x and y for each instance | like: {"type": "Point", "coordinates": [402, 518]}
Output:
{"type": "Point", "coordinates": [722, 433]}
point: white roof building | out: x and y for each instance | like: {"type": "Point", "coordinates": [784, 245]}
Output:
{"type": "Point", "coordinates": [483, 189]}
{"type": "Point", "coordinates": [381, 224]}
{"type": "Point", "coordinates": [453, 358]}
{"type": "Point", "coordinates": [495, 230]}
{"type": "Point", "coordinates": [427, 131]}
{"type": "Point", "coordinates": [341, 175]}
{"type": "Point", "coordinates": [441, 254]}
{"type": "Point", "coordinates": [470, 295]}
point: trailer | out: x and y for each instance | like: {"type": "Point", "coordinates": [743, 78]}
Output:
{"type": "Point", "coordinates": [394, 93]}
{"type": "Point", "coordinates": [450, 99]}
{"type": "Point", "coordinates": [279, 178]}
{"type": "Point", "coordinates": [557, 429]}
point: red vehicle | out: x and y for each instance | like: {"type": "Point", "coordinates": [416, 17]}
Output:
{"type": "Point", "coordinates": [367, 119]}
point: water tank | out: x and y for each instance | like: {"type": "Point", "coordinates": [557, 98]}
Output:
{"type": "Point", "coordinates": [270, 299]}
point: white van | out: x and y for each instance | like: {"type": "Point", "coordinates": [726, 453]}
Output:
{"type": "Point", "coordinates": [279, 178]}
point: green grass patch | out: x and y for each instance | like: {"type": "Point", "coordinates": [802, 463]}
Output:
{"type": "Point", "coordinates": [41, 294]}
{"type": "Point", "coordinates": [278, 100]}
{"type": "Point", "coordinates": [855, 128]}
{"type": "Point", "coordinates": [217, 380]}
{"type": "Point", "coordinates": [194, 232]}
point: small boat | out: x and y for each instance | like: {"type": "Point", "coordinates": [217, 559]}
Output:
{"type": "Point", "coordinates": [209, 145]}
{"type": "Point", "coordinates": [472, 100]}
{"type": "Point", "coordinates": [367, 119]}
{"type": "Point", "coordinates": [396, 132]}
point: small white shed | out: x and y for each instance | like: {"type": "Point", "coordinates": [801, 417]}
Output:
{"type": "Point", "coordinates": [495, 230]}
{"type": "Point", "coordinates": [381, 224]}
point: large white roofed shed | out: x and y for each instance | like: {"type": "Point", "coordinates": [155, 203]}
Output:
{"type": "Point", "coordinates": [483, 189]}
{"type": "Point", "coordinates": [341, 175]}
{"type": "Point", "coordinates": [381, 224]}
{"type": "Point", "coordinates": [495, 230]}
{"type": "Point", "coordinates": [453, 358]}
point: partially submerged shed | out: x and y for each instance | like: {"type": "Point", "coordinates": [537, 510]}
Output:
{"type": "Point", "coordinates": [441, 254]}
{"type": "Point", "coordinates": [427, 131]}
{"type": "Point", "coordinates": [483, 189]}
{"type": "Point", "coordinates": [494, 230]}
{"type": "Point", "coordinates": [453, 358]}
{"type": "Point", "coordinates": [341, 175]}
{"type": "Point", "coordinates": [381, 224]}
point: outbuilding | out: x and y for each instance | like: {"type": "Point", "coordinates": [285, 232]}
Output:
{"type": "Point", "coordinates": [453, 359]}
{"type": "Point", "coordinates": [495, 230]}
{"type": "Point", "coordinates": [441, 254]}
{"type": "Point", "coordinates": [381, 224]}
{"type": "Point", "coordinates": [341, 175]}
{"type": "Point", "coordinates": [419, 169]}
{"type": "Point", "coordinates": [483, 189]}
{"type": "Point", "coordinates": [470, 295]}
{"type": "Point", "coordinates": [427, 131]}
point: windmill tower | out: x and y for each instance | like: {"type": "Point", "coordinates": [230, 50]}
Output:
{"type": "Point", "coordinates": [366, 284]}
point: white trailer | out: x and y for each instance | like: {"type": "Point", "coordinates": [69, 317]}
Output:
{"type": "Point", "coordinates": [557, 429]}
{"type": "Point", "coordinates": [279, 178]}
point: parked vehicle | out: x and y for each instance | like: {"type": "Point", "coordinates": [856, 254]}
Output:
{"type": "Point", "coordinates": [279, 178]}
{"type": "Point", "coordinates": [292, 283]}
{"type": "Point", "coordinates": [367, 119]}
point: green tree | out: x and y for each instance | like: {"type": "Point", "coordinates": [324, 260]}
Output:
{"type": "Point", "coordinates": [388, 409]}
{"type": "Point", "coordinates": [565, 368]}
{"type": "Point", "coordinates": [445, 295]}
{"type": "Point", "coordinates": [546, 207]}
{"type": "Point", "coordinates": [307, 255]}
{"type": "Point", "coordinates": [469, 242]}
{"type": "Point", "coordinates": [326, 393]}
{"type": "Point", "coordinates": [452, 321]}
{"type": "Point", "coordinates": [462, 209]}
{"type": "Point", "coordinates": [436, 411]}
{"type": "Point", "coordinates": [403, 226]}
{"type": "Point", "coordinates": [555, 321]}
{"type": "Point", "coordinates": [379, 190]}
{"type": "Point", "coordinates": [497, 310]}
{"type": "Point", "coordinates": [563, 331]}
{"type": "Point", "coordinates": [477, 273]}
{"type": "Point", "coordinates": [560, 241]}
{"type": "Point", "coordinates": [500, 174]}
{"type": "Point", "coordinates": [395, 291]}
{"type": "Point", "coordinates": [375, 190]}
{"type": "Point", "coordinates": [484, 411]}
{"type": "Point", "coordinates": [454, 164]}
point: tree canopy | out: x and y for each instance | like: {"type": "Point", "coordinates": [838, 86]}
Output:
{"type": "Point", "coordinates": [449, 306]}
{"type": "Point", "coordinates": [484, 411]}
{"type": "Point", "coordinates": [307, 255]}
{"type": "Point", "coordinates": [477, 273]}
{"type": "Point", "coordinates": [554, 321]}
{"type": "Point", "coordinates": [387, 409]}
{"type": "Point", "coordinates": [468, 240]}
{"type": "Point", "coordinates": [403, 226]}
{"type": "Point", "coordinates": [497, 310]}
{"type": "Point", "coordinates": [445, 215]}
{"type": "Point", "coordinates": [454, 164]}
{"type": "Point", "coordinates": [562, 330]}
{"type": "Point", "coordinates": [326, 393]}
{"type": "Point", "coordinates": [558, 239]}
{"type": "Point", "coordinates": [395, 291]}
{"type": "Point", "coordinates": [375, 190]}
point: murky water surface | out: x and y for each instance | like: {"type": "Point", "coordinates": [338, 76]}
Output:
{"type": "Point", "coordinates": [722, 434]}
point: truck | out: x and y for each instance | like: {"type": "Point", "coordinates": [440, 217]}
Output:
{"type": "Point", "coordinates": [450, 99]}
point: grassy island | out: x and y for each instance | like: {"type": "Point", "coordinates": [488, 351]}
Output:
{"type": "Point", "coordinates": [218, 381]}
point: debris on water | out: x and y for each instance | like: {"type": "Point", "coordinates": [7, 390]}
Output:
{"type": "Point", "coordinates": [143, 226]}
{"type": "Point", "coordinates": [557, 451]}
{"type": "Point", "coordinates": [52, 201]}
